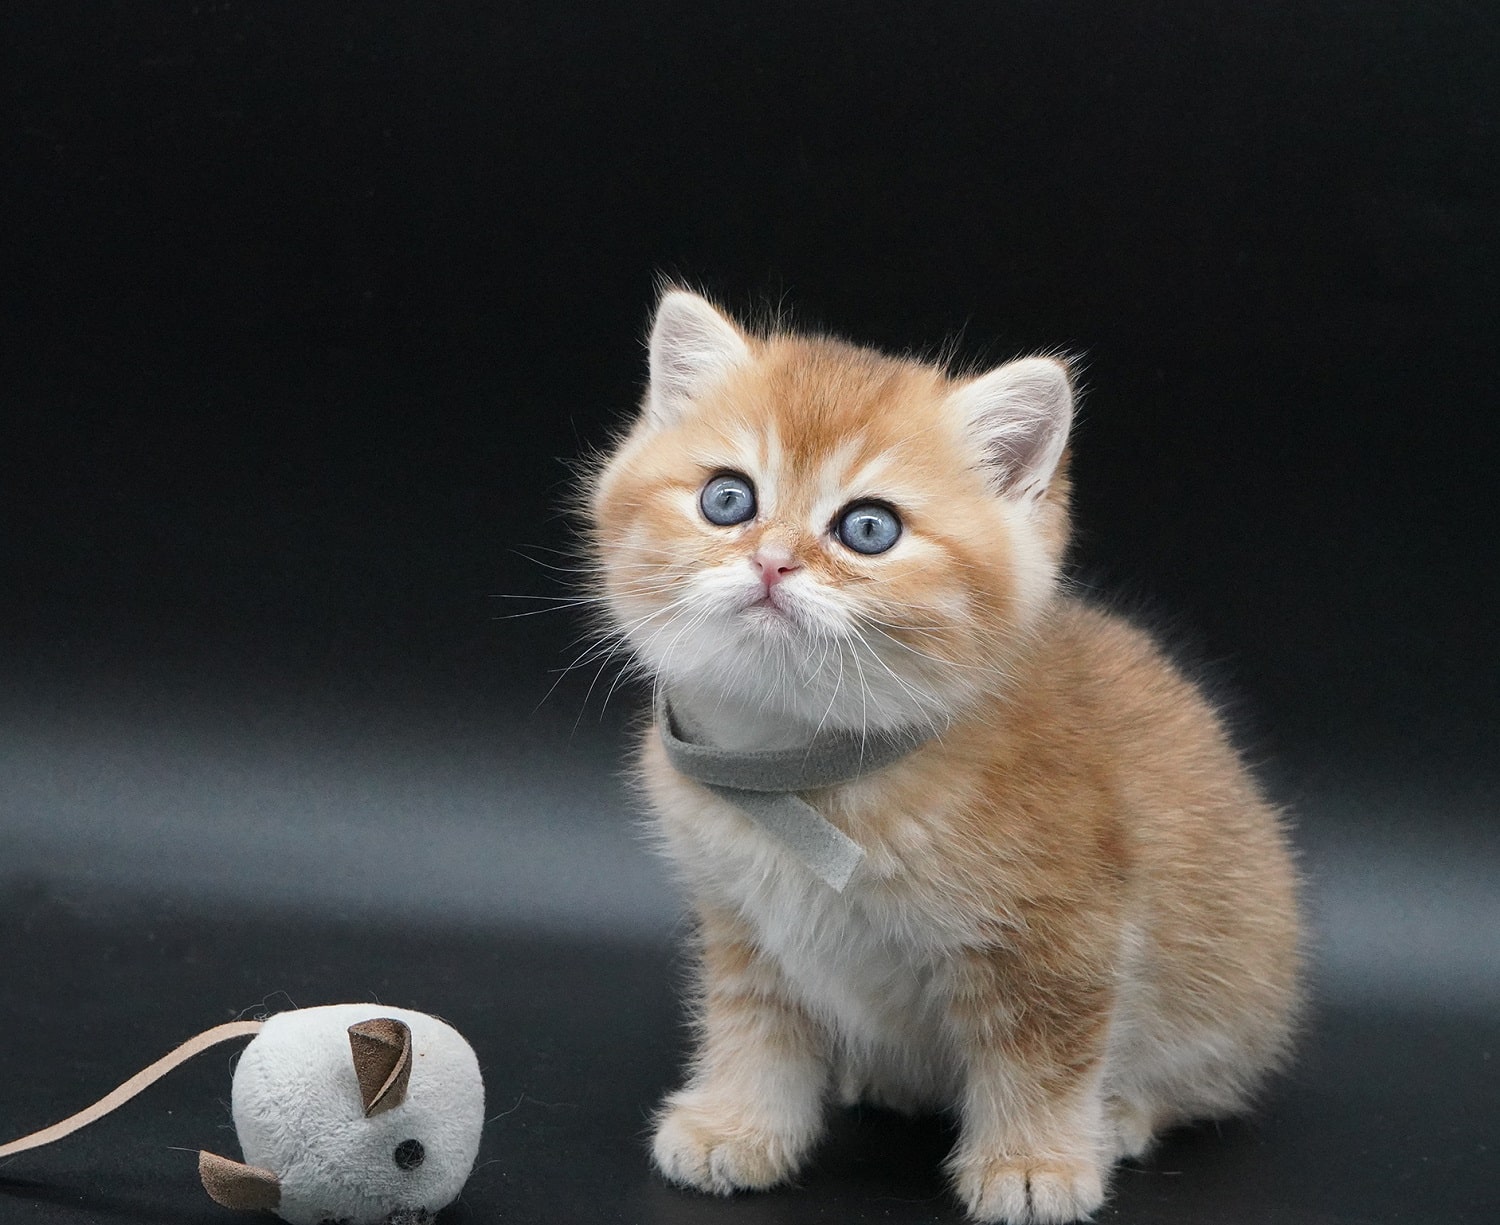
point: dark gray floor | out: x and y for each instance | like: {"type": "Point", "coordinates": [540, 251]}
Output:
{"type": "Point", "coordinates": [1391, 1115]}
{"type": "Point", "coordinates": [173, 861]}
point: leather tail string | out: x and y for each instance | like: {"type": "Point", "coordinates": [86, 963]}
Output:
{"type": "Point", "coordinates": [141, 1080]}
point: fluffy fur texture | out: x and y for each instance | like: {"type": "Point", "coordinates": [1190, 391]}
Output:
{"type": "Point", "coordinates": [1076, 921]}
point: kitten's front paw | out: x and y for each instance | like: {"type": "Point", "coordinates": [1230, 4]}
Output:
{"type": "Point", "coordinates": [710, 1148]}
{"type": "Point", "coordinates": [1029, 1190]}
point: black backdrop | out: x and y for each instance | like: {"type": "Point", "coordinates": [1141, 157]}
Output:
{"type": "Point", "coordinates": [308, 306]}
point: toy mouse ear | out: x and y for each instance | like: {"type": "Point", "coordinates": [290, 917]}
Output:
{"type": "Point", "coordinates": [382, 1062]}
{"type": "Point", "coordinates": [236, 1185]}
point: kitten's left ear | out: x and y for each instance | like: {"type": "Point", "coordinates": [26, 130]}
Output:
{"type": "Point", "coordinates": [1019, 414]}
{"type": "Point", "coordinates": [693, 347]}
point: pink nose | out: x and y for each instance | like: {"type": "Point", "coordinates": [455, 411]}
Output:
{"type": "Point", "coordinates": [774, 565]}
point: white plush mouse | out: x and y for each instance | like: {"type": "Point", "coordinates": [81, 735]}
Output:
{"type": "Point", "coordinates": [350, 1114]}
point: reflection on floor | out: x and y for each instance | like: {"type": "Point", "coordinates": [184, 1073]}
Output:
{"type": "Point", "coordinates": [1389, 1116]}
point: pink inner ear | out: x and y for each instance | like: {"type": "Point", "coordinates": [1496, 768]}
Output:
{"type": "Point", "coordinates": [235, 1185]}
{"type": "Point", "coordinates": [1019, 414]}
{"type": "Point", "coordinates": [693, 346]}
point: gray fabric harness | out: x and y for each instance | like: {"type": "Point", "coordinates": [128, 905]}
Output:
{"type": "Point", "coordinates": [762, 783]}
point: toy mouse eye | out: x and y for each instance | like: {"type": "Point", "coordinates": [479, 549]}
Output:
{"type": "Point", "coordinates": [409, 1154]}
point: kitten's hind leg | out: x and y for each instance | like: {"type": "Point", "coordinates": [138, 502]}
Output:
{"type": "Point", "coordinates": [1034, 1147]}
{"type": "Point", "coordinates": [754, 1103]}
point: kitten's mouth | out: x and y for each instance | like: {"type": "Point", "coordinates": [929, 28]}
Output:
{"type": "Point", "coordinates": [766, 607]}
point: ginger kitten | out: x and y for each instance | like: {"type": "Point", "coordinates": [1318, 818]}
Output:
{"type": "Point", "coordinates": [1074, 923]}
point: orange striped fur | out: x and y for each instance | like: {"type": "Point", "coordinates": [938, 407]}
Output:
{"type": "Point", "coordinates": [1076, 923]}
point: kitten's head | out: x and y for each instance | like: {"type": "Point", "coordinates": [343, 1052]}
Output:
{"type": "Point", "coordinates": [825, 533]}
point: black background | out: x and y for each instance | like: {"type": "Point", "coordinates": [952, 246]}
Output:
{"type": "Point", "coordinates": [309, 306]}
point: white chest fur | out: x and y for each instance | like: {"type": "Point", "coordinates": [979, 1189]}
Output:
{"type": "Point", "coordinates": [870, 973]}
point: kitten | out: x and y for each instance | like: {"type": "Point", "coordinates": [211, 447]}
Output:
{"type": "Point", "coordinates": [1075, 921]}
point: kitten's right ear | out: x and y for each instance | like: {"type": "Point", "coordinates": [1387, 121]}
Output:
{"type": "Point", "coordinates": [693, 347]}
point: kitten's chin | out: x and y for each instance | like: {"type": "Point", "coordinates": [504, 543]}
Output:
{"type": "Point", "coordinates": [764, 665]}
{"type": "Point", "coordinates": [767, 615]}
{"type": "Point", "coordinates": [758, 679]}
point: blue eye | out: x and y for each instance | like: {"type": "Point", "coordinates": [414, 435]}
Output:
{"type": "Point", "coordinates": [727, 500]}
{"type": "Point", "coordinates": [869, 527]}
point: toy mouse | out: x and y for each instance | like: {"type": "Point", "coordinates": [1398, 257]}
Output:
{"type": "Point", "coordinates": [349, 1114]}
